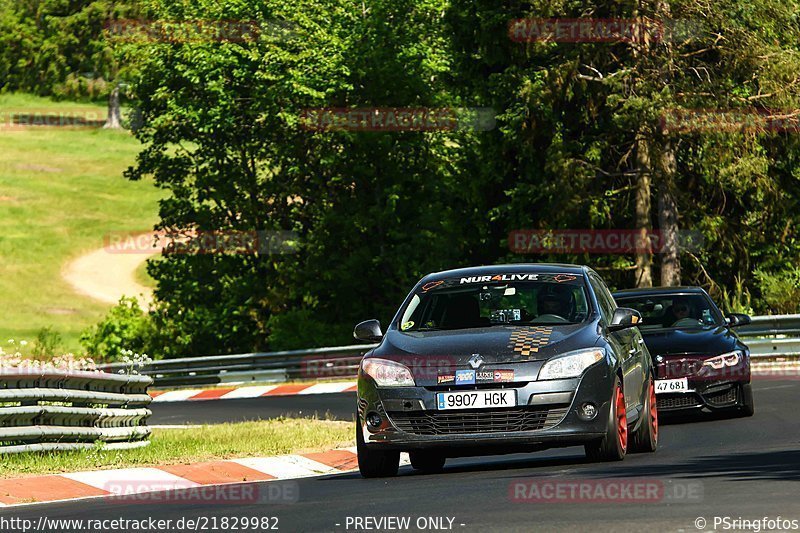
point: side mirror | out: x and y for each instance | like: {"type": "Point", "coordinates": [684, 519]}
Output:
{"type": "Point", "coordinates": [738, 319]}
{"type": "Point", "coordinates": [368, 331]}
{"type": "Point", "coordinates": [625, 317]}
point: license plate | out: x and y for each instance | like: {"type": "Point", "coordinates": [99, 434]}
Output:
{"type": "Point", "coordinates": [476, 399]}
{"type": "Point", "coordinates": [666, 386]}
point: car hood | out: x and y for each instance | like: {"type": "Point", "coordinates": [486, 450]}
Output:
{"type": "Point", "coordinates": [705, 341]}
{"type": "Point", "coordinates": [452, 349]}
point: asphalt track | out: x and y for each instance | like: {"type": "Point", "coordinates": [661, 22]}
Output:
{"type": "Point", "coordinates": [741, 468]}
{"type": "Point", "coordinates": [339, 406]}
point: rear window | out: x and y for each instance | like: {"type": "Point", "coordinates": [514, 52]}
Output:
{"type": "Point", "coordinates": [683, 311]}
{"type": "Point", "coordinates": [496, 300]}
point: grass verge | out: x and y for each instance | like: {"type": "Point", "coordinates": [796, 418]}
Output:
{"type": "Point", "coordinates": [185, 446]}
{"type": "Point", "coordinates": [61, 192]}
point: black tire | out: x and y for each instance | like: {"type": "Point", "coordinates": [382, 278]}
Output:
{"type": "Point", "coordinates": [427, 461]}
{"type": "Point", "coordinates": [748, 407]}
{"type": "Point", "coordinates": [613, 446]}
{"type": "Point", "coordinates": [375, 463]}
{"type": "Point", "coordinates": [645, 440]}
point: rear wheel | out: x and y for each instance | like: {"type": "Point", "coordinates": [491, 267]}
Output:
{"type": "Point", "coordinates": [614, 445]}
{"type": "Point", "coordinates": [375, 463]}
{"type": "Point", "coordinates": [427, 461]}
{"type": "Point", "coordinates": [748, 407]}
{"type": "Point", "coordinates": [646, 438]}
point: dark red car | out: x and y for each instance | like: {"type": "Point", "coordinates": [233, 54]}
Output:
{"type": "Point", "coordinates": [700, 361]}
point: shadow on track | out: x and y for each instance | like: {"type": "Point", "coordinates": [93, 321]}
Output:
{"type": "Point", "coordinates": [781, 465]}
{"type": "Point", "coordinates": [693, 417]}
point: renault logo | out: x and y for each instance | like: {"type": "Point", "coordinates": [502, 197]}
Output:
{"type": "Point", "coordinates": [475, 361]}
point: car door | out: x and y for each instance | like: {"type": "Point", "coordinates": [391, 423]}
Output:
{"type": "Point", "coordinates": [629, 347]}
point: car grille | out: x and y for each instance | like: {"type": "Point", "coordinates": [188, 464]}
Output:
{"type": "Point", "coordinates": [678, 402]}
{"type": "Point", "coordinates": [679, 368]}
{"type": "Point", "coordinates": [724, 397]}
{"type": "Point", "coordinates": [478, 421]}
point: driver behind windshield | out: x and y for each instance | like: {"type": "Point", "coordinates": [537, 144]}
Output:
{"type": "Point", "coordinates": [679, 314]}
{"type": "Point", "coordinates": [487, 301]}
{"type": "Point", "coordinates": [556, 300]}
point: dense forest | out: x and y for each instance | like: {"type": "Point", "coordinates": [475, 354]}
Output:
{"type": "Point", "coordinates": [686, 126]}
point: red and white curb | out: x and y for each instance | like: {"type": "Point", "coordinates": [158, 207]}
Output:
{"type": "Point", "coordinates": [252, 391]}
{"type": "Point", "coordinates": [202, 483]}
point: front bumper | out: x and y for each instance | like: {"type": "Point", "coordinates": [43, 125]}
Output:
{"type": "Point", "coordinates": [546, 415]}
{"type": "Point", "coordinates": [708, 388]}
{"type": "Point", "coordinates": [712, 396]}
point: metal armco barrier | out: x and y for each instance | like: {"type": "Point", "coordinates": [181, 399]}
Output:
{"type": "Point", "coordinates": [767, 336]}
{"type": "Point", "coordinates": [276, 367]}
{"type": "Point", "coordinates": [52, 410]}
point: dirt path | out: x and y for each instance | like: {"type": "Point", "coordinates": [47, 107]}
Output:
{"type": "Point", "coordinates": [107, 276]}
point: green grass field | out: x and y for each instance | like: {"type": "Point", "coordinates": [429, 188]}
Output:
{"type": "Point", "coordinates": [184, 446]}
{"type": "Point", "coordinates": [61, 191]}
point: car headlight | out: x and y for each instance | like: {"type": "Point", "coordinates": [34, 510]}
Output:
{"type": "Point", "coordinates": [572, 364]}
{"type": "Point", "coordinates": [388, 373]}
{"type": "Point", "coordinates": [726, 359]}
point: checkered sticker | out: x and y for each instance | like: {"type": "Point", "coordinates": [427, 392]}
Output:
{"type": "Point", "coordinates": [526, 341]}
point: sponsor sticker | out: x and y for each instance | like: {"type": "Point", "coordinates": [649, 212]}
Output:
{"type": "Point", "coordinates": [484, 375]}
{"type": "Point", "coordinates": [500, 277]}
{"type": "Point", "coordinates": [431, 285]}
{"type": "Point", "coordinates": [560, 278]}
{"type": "Point", "coordinates": [465, 377]}
{"type": "Point", "coordinates": [503, 375]}
{"type": "Point", "coordinates": [446, 378]}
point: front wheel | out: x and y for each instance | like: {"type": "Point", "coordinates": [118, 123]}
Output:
{"type": "Point", "coordinates": [646, 438]}
{"type": "Point", "coordinates": [614, 445]}
{"type": "Point", "coordinates": [748, 407]}
{"type": "Point", "coordinates": [375, 463]}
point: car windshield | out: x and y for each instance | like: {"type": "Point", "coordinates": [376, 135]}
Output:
{"type": "Point", "coordinates": [682, 311]}
{"type": "Point", "coordinates": [483, 301]}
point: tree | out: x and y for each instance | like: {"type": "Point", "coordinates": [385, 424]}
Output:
{"type": "Point", "coordinates": [581, 142]}
{"type": "Point", "coordinates": [65, 50]}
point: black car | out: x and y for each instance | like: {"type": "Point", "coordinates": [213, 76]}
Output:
{"type": "Point", "coordinates": [701, 363]}
{"type": "Point", "coordinates": [501, 359]}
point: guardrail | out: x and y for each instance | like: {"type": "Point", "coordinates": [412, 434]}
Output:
{"type": "Point", "coordinates": [767, 336]}
{"type": "Point", "coordinates": [70, 410]}
{"type": "Point", "coordinates": [772, 336]}
{"type": "Point", "coordinates": [317, 364]}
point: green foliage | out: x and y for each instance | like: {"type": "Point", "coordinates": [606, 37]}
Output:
{"type": "Point", "coordinates": [62, 49]}
{"type": "Point", "coordinates": [301, 328]}
{"type": "Point", "coordinates": [47, 344]}
{"type": "Point", "coordinates": [373, 211]}
{"type": "Point", "coordinates": [125, 329]}
{"type": "Point", "coordinates": [222, 136]}
{"type": "Point", "coordinates": [780, 290]}
{"type": "Point", "coordinates": [736, 301]}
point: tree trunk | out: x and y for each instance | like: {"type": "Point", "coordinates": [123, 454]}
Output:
{"type": "Point", "coordinates": [668, 220]}
{"type": "Point", "coordinates": [644, 256]}
{"type": "Point", "coordinates": [114, 120]}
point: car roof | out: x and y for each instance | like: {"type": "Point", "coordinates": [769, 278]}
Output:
{"type": "Point", "coordinates": [509, 268]}
{"type": "Point", "coordinates": [653, 291]}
